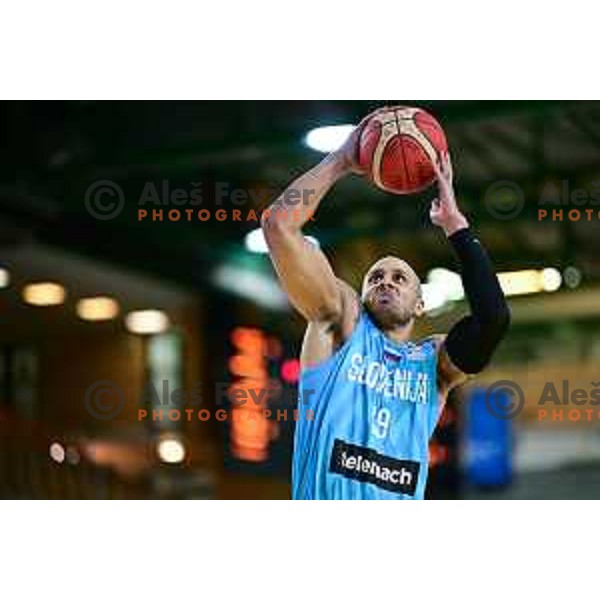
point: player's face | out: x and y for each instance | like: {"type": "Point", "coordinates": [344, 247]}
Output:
{"type": "Point", "coordinates": [391, 292]}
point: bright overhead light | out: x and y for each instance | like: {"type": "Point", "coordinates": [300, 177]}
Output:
{"type": "Point", "coordinates": [551, 279]}
{"type": "Point", "coordinates": [449, 281]}
{"type": "Point", "coordinates": [99, 308]}
{"type": "Point", "coordinates": [57, 452]}
{"type": "Point", "coordinates": [442, 286]}
{"type": "Point", "coordinates": [44, 294]}
{"type": "Point", "coordinates": [147, 321]}
{"type": "Point", "coordinates": [328, 139]}
{"type": "Point", "coordinates": [255, 241]}
{"type": "Point", "coordinates": [445, 286]}
{"type": "Point", "coordinates": [4, 278]}
{"type": "Point", "coordinates": [171, 451]}
{"type": "Point", "coordinates": [250, 284]}
{"type": "Point", "coordinates": [434, 296]}
{"type": "Point", "coordinates": [530, 281]}
{"type": "Point", "coordinates": [516, 283]}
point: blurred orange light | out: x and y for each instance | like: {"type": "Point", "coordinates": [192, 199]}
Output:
{"type": "Point", "coordinates": [251, 437]}
{"type": "Point", "coordinates": [44, 294]}
{"type": "Point", "coordinates": [243, 365]}
{"type": "Point", "coordinates": [438, 454]}
{"type": "Point", "coordinates": [249, 340]}
{"type": "Point", "coordinates": [250, 429]}
{"type": "Point", "coordinates": [100, 308]}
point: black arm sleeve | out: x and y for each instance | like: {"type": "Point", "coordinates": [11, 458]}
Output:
{"type": "Point", "coordinates": [471, 342]}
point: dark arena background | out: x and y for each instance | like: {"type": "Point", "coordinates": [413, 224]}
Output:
{"type": "Point", "coordinates": [135, 291]}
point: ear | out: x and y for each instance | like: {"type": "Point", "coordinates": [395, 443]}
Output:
{"type": "Point", "coordinates": [419, 308]}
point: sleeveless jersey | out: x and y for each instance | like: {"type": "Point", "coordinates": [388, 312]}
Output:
{"type": "Point", "coordinates": [366, 416]}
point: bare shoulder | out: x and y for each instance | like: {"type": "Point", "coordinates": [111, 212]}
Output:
{"type": "Point", "coordinates": [323, 337]}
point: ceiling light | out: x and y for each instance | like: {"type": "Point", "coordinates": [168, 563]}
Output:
{"type": "Point", "coordinates": [99, 308]}
{"type": "Point", "coordinates": [551, 279]}
{"type": "Point", "coordinates": [450, 281]}
{"type": "Point", "coordinates": [255, 241]}
{"type": "Point", "coordinates": [4, 278]}
{"type": "Point", "coordinates": [328, 139]}
{"type": "Point", "coordinates": [44, 294]}
{"type": "Point", "coordinates": [434, 296]}
{"type": "Point", "coordinates": [171, 451]}
{"type": "Point", "coordinates": [147, 321]}
{"type": "Point", "coordinates": [530, 281]}
{"type": "Point", "coordinates": [57, 452]}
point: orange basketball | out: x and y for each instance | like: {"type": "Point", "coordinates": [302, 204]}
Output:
{"type": "Point", "coordinates": [397, 148]}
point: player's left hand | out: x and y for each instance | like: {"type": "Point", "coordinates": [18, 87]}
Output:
{"type": "Point", "coordinates": [444, 210]}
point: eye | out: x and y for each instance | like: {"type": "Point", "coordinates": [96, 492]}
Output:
{"type": "Point", "coordinates": [399, 277]}
{"type": "Point", "coordinates": [375, 277]}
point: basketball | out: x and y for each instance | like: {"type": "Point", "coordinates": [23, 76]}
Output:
{"type": "Point", "coordinates": [397, 147]}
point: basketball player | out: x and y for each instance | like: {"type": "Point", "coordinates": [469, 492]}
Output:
{"type": "Point", "coordinates": [376, 395]}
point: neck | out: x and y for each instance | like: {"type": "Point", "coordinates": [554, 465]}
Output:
{"type": "Point", "coordinates": [399, 333]}
{"type": "Point", "coordinates": [395, 331]}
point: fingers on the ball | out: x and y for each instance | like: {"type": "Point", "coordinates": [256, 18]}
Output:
{"type": "Point", "coordinates": [450, 169]}
{"type": "Point", "coordinates": [447, 164]}
{"type": "Point", "coordinates": [442, 167]}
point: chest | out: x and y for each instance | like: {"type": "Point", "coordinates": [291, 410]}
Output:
{"type": "Point", "coordinates": [401, 378]}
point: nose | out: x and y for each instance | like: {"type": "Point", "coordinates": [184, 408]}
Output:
{"type": "Point", "coordinates": [386, 284]}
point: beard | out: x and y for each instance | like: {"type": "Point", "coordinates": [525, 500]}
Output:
{"type": "Point", "coordinates": [389, 315]}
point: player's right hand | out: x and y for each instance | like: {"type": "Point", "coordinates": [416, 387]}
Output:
{"type": "Point", "coordinates": [348, 153]}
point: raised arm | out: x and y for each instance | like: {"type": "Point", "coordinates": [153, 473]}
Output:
{"type": "Point", "coordinates": [470, 343]}
{"type": "Point", "coordinates": [303, 269]}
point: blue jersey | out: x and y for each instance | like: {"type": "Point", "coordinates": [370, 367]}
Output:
{"type": "Point", "coordinates": [373, 406]}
